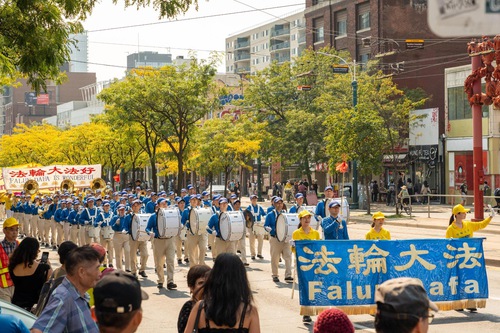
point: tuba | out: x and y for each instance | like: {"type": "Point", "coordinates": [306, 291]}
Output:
{"type": "Point", "coordinates": [30, 187]}
{"type": "Point", "coordinates": [97, 184]}
{"type": "Point", "coordinates": [67, 185]}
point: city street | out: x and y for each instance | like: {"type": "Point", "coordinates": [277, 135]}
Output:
{"type": "Point", "coordinates": [280, 313]}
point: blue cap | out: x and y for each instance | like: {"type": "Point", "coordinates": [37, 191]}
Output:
{"type": "Point", "coordinates": [171, 193]}
{"type": "Point", "coordinates": [177, 199]}
{"type": "Point", "coordinates": [237, 200]}
{"type": "Point", "coordinates": [216, 197]}
{"type": "Point", "coordinates": [198, 196]}
{"type": "Point", "coordinates": [162, 193]}
{"type": "Point", "coordinates": [159, 201]}
{"type": "Point", "coordinates": [76, 202]}
{"type": "Point", "coordinates": [299, 195]}
{"type": "Point", "coordinates": [106, 203]}
{"type": "Point", "coordinates": [277, 199]}
{"type": "Point", "coordinates": [204, 193]}
{"type": "Point", "coordinates": [189, 186]}
{"type": "Point", "coordinates": [62, 201]}
{"type": "Point", "coordinates": [137, 201]}
{"type": "Point", "coordinates": [90, 199]}
{"type": "Point", "coordinates": [253, 196]}
{"type": "Point", "coordinates": [192, 196]}
{"type": "Point", "coordinates": [334, 204]}
{"type": "Point", "coordinates": [131, 196]}
{"type": "Point", "coordinates": [328, 188]}
{"type": "Point", "coordinates": [121, 206]}
{"type": "Point", "coordinates": [153, 193]}
{"type": "Point", "coordinates": [123, 198]}
{"type": "Point", "coordinates": [233, 196]}
{"type": "Point", "coordinates": [223, 200]}
{"type": "Point", "coordinates": [183, 190]}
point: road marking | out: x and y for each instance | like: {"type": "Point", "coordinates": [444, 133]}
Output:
{"type": "Point", "coordinates": [494, 298]}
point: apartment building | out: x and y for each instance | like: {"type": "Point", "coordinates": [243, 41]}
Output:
{"type": "Point", "coordinates": [256, 48]}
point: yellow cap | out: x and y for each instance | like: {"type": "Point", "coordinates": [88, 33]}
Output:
{"type": "Point", "coordinates": [459, 209]}
{"type": "Point", "coordinates": [10, 222]}
{"type": "Point", "coordinates": [378, 216]}
{"type": "Point", "coordinates": [304, 213]}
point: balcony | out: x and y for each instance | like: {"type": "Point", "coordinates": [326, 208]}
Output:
{"type": "Point", "coordinates": [280, 58]}
{"type": "Point", "coordinates": [242, 57]}
{"type": "Point", "coordinates": [242, 45]}
{"type": "Point", "coordinates": [280, 46]}
{"type": "Point", "coordinates": [280, 32]}
{"type": "Point", "coordinates": [243, 69]}
{"type": "Point", "coordinates": [301, 39]}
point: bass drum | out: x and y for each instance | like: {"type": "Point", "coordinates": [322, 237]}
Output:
{"type": "Point", "coordinates": [286, 224]}
{"type": "Point", "coordinates": [232, 225]}
{"type": "Point", "coordinates": [138, 227]}
{"type": "Point", "coordinates": [198, 220]}
{"type": "Point", "coordinates": [169, 222]}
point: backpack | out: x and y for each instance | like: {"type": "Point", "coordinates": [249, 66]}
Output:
{"type": "Point", "coordinates": [48, 288]}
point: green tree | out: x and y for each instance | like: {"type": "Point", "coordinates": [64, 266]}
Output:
{"type": "Point", "coordinates": [35, 35]}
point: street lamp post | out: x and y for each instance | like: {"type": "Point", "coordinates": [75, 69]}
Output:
{"type": "Point", "coordinates": [354, 84]}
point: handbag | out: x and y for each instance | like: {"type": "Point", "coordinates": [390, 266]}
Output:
{"type": "Point", "coordinates": [197, 320]}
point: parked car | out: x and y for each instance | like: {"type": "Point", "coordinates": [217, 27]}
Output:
{"type": "Point", "coordinates": [216, 189]}
{"type": "Point", "coordinates": [26, 317]}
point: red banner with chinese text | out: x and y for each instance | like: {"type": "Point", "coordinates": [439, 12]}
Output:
{"type": "Point", "coordinates": [50, 177]}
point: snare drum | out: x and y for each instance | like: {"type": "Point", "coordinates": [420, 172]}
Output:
{"type": "Point", "coordinates": [198, 219]}
{"type": "Point", "coordinates": [232, 225]}
{"type": "Point", "coordinates": [138, 227]}
{"type": "Point", "coordinates": [286, 224]}
{"type": "Point", "coordinates": [169, 222]}
{"type": "Point", "coordinates": [107, 232]}
{"type": "Point", "coordinates": [93, 232]}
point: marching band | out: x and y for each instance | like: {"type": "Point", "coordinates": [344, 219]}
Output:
{"type": "Point", "coordinates": [190, 224]}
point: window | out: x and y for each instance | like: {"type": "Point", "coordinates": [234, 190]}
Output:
{"type": "Point", "coordinates": [341, 23]}
{"type": "Point", "coordinates": [294, 37]}
{"type": "Point", "coordinates": [363, 16]}
{"type": "Point", "coordinates": [318, 30]}
{"type": "Point", "coordinates": [458, 105]}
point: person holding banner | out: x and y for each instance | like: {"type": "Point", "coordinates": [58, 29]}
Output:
{"type": "Point", "coordinates": [460, 228]}
{"type": "Point", "coordinates": [377, 231]}
{"type": "Point", "coordinates": [278, 248]}
{"type": "Point", "coordinates": [334, 226]}
{"type": "Point", "coordinates": [305, 232]}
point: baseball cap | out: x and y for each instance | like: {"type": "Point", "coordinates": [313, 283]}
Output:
{"type": "Point", "coordinates": [253, 196]}
{"type": "Point", "coordinates": [178, 199]}
{"type": "Point", "coordinates": [10, 222]}
{"type": "Point", "coordinates": [118, 292]}
{"type": "Point", "coordinates": [233, 196]}
{"type": "Point", "coordinates": [223, 200]}
{"type": "Point", "coordinates": [299, 195]}
{"type": "Point", "coordinates": [277, 199]}
{"type": "Point", "coordinates": [106, 203]}
{"type": "Point", "coordinates": [404, 295]}
{"type": "Point", "coordinates": [459, 209]}
{"type": "Point", "coordinates": [333, 321]}
{"type": "Point", "coordinates": [328, 188]}
{"type": "Point", "coordinates": [304, 213]}
{"type": "Point", "coordinates": [235, 201]}
{"type": "Point", "coordinates": [99, 248]}
{"type": "Point", "coordinates": [333, 204]}
{"type": "Point", "coordinates": [159, 201]}
{"type": "Point", "coordinates": [121, 206]}
{"type": "Point", "coordinates": [137, 201]}
{"type": "Point", "coordinates": [378, 216]}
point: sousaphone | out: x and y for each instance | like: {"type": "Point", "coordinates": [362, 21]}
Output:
{"type": "Point", "coordinates": [67, 185]}
{"type": "Point", "coordinates": [30, 187]}
{"type": "Point", "coordinates": [97, 184]}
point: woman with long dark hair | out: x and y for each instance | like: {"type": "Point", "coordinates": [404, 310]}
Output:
{"type": "Point", "coordinates": [27, 273]}
{"type": "Point", "coordinates": [227, 301]}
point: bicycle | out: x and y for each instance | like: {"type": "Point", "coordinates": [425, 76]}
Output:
{"type": "Point", "coordinates": [403, 204]}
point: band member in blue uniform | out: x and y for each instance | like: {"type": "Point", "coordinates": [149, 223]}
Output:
{"type": "Point", "coordinates": [121, 241]}
{"type": "Point", "coordinates": [87, 219]}
{"type": "Point", "coordinates": [103, 222]}
{"type": "Point", "coordinates": [334, 226]}
{"type": "Point", "coordinates": [221, 246]}
{"type": "Point", "coordinates": [73, 217]}
{"type": "Point", "coordinates": [322, 206]}
{"type": "Point", "coordinates": [257, 231]}
{"type": "Point", "coordinates": [196, 244]}
{"type": "Point", "coordinates": [180, 205]}
{"type": "Point", "coordinates": [299, 202]}
{"type": "Point", "coordinates": [278, 248]}
{"type": "Point", "coordinates": [163, 249]}
{"type": "Point", "coordinates": [151, 204]}
{"type": "Point", "coordinates": [136, 244]}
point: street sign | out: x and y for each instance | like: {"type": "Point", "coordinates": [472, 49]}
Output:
{"type": "Point", "coordinates": [304, 88]}
{"type": "Point", "coordinates": [455, 18]}
{"type": "Point", "coordinates": [340, 69]}
{"type": "Point", "coordinates": [414, 44]}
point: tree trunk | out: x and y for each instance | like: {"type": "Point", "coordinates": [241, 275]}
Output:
{"type": "Point", "coordinates": [180, 172]}
{"type": "Point", "coordinates": [153, 174]}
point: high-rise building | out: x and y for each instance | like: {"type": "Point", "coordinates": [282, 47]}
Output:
{"type": "Point", "coordinates": [148, 59]}
{"type": "Point", "coordinates": [256, 48]}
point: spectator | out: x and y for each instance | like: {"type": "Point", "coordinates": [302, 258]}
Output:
{"type": "Point", "coordinates": [195, 280]}
{"type": "Point", "coordinates": [7, 247]}
{"type": "Point", "coordinates": [463, 192]}
{"type": "Point", "coordinates": [333, 321]}
{"type": "Point", "coordinates": [63, 252]}
{"type": "Point", "coordinates": [118, 298]}
{"type": "Point", "coordinates": [102, 256]}
{"type": "Point", "coordinates": [374, 191]}
{"type": "Point", "coordinates": [403, 307]}
{"type": "Point", "coordinates": [227, 301]}
{"type": "Point", "coordinates": [27, 274]}
{"type": "Point", "coordinates": [11, 324]}
{"type": "Point", "coordinates": [68, 308]}
{"type": "Point", "coordinates": [425, 192]}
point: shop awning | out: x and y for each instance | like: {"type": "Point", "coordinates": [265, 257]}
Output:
{"type": "Point", "coordinates": [397, 157]}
